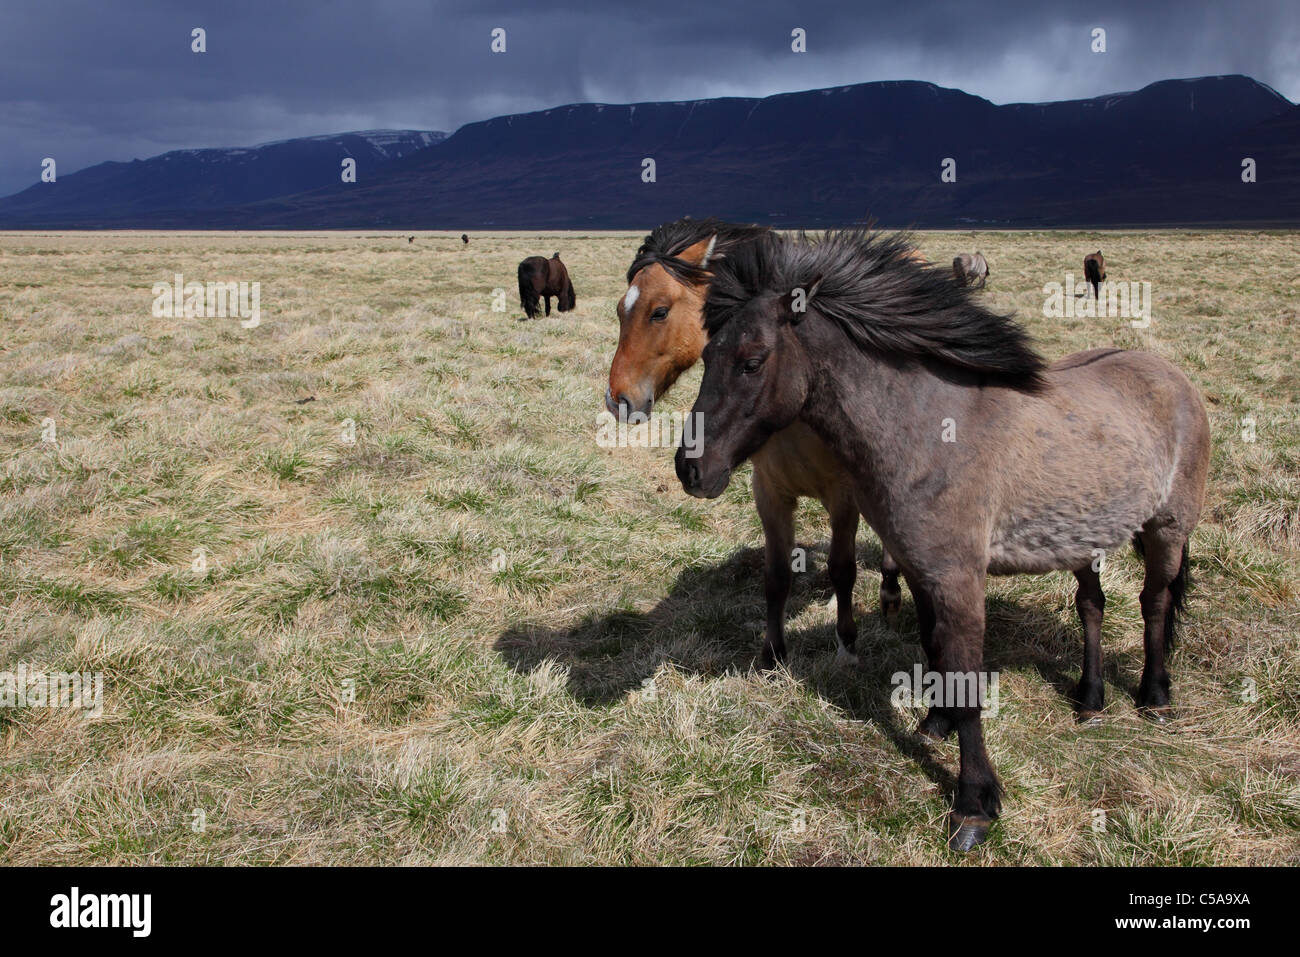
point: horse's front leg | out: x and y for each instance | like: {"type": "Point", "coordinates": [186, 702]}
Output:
{"type": "Point", "coordinates": [843, 567]}
{"type": "Point", "coordinates": [548, 304]}
{"type": "Point", "coordinates": [776, 511]}
{"type": "Point", "coordinates": [936, 725]}
{"type": "Point", "coordinates": [958, 639]}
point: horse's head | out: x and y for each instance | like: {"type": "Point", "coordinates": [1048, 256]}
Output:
{"type": "Point", "coordinates": [660, 332]}
{"type": "Point", "coordinates": [756, 380]}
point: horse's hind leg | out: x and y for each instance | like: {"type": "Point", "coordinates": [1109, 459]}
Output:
{"type": "Point", "coordinates": [1091, 604]}
{"type": "Point", "coordinates": [1165, 552]}
{"type": "Point", "coordinates": [843, 567]}
{"type": "Point", "coordinates": [777, 514]}
{"type": "Point", "coordinates": [891, 596]}
{"type": "Point", "coordinates": [548, 304]}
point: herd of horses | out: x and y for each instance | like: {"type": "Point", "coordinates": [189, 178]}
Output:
{"type": "Point", "coordinates": [850, 370]}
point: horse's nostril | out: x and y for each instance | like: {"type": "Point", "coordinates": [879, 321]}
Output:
{"type": "Point", "coordinates": [626, 406]}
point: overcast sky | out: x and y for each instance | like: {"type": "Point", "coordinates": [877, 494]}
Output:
{"type": "Point", "coordinates": [90, 80]}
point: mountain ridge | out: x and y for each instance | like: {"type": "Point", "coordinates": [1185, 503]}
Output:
{"type": "Point", "coordinates": [1166, 154]}
{"type": "Point", "coordinates": [206, 178]}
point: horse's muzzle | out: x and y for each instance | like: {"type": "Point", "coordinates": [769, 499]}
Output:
{"type": "Point", "coordinates": [695, 481]}
{"type": "Point", "coordinates": [622, 406]}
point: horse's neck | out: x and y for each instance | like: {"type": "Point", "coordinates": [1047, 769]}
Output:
{"type": "Point", "coordinates": [867, 409]}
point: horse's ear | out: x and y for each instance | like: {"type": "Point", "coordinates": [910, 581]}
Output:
{"type": "Point", "coordinates": [796, 300]}
{"type": "Point", "coordinates": [699, 254]}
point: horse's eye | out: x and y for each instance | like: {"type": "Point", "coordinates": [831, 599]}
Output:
{"type": "Point", "coordinates": [750, 366]}
{"type": "Point", "coordinates": [659, 315]}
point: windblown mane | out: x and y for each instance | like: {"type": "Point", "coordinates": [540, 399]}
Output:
{"type": "Point", "coordinates": [883, 301]}
{"type": "Point", "coordinates": [666, 243]}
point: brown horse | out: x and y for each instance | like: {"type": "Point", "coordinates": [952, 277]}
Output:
{"type": "Point", "coordinates": [661, 335]}
{"type": "Point", "coordinates": [969, 455]}
{"type": "Point", "coordinates": [540, 279]}
{"type": "Point", "coordinates": [1094, 270]}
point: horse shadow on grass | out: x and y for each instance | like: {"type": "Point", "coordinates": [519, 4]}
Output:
{"type": "Point", "coordinates": [711, 623]}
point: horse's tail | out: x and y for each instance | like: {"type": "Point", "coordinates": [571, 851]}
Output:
{"type": "Point", "coordinates": [1092, 270]}
{"type": "Point", "coordinates": [1177, 593]}
{"type": "Point", "coordinates": [528, 297]}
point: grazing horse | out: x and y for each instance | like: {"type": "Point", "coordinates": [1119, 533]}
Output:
{"type": "Point", "coordinates": [1094, 270]}
{"type": "Point", "coordinates": [970, 455]}
{"type": "Point", "coordinates": [464, 238]}
{"type": "Point", "coordinates": [661, 335]}
{"type": "Point", "coordinates": [969, 270]}
{"type": "Point", "coordinates": [410, 239]}
{"type": "Point", "coordinates": [540, 279]}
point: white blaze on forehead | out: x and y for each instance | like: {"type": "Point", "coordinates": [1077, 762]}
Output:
{"type": "Point", "coordinates": [629, 300]}
{"type": "Point", "coordinates": [708, 253]}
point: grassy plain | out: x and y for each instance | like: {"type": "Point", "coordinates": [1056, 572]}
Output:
{"type": "Point", "coordinates": [473, 635]}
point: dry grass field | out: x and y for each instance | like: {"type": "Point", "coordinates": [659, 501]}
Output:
{"type": "Point", "coordinates": [470, 634]}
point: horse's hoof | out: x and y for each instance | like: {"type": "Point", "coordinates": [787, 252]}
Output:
{"type": "Point", "coordinates": [1090, 719]}
{"type": "Point", "coordinates": [934, 729]}
{"type": "Point", "coordinates": [1161, 715]}
{"type": "Point", "coordinates": [965, 833]}
{"type": "Point", "coordinates": [845, 658]}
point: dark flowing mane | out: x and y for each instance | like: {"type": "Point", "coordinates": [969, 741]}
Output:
{"type": "Point", "coordinates": [883, 301]}
{"type": "Point", "coordinates": [666, 243]}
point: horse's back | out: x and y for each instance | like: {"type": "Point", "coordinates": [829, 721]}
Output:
{"type": "Point", "coordinates": [1138, 371]}
{"type": "Point", "coordinates": [1142, 387]}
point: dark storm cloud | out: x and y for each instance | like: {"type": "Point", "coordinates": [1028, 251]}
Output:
{"type": "Point", "coordinates": [85, 81]}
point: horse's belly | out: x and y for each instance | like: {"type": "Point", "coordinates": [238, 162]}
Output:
{"type": "Point", "coordinates": [1065, 536]}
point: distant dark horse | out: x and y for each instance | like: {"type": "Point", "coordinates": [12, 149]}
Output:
{"type": "Point", "coordinates": [410, 239]}
{"type": "Point", "coordinates": [873, 354]}
{"type": "Point", "coordinates": [1094, 270]}
{"type": "Point", "coordinates": [540, 279]}
{"type": "Point", "coordinates": [464, 238]}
